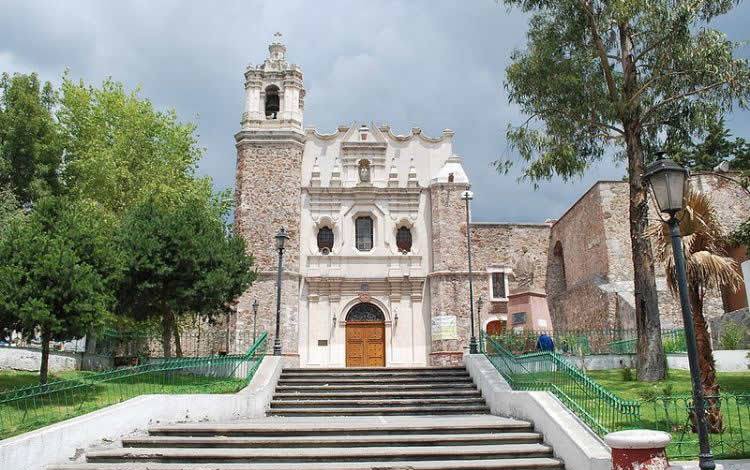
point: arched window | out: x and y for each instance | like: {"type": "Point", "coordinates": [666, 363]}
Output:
{"type": "Point", "coordinates": [366, 312]}
{"type": "Point", "coordinates": [403, 239]}
{"type": "Point", "coordinates": [325, 240]}
{"type": "Point", "coordinates": [272, 102]}
{"type": "Point", "coordinates": [363, 233]}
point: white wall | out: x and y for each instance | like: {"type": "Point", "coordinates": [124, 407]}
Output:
{"type": "Point", "coordinates": [61, 441]}
{"type": "Point", "coordinates": [24, 359]}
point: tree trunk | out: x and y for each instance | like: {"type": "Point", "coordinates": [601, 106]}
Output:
{"type": "Point", "coordinates": [706, 362]}
{"type": "Point", "coordinates": [166, 333]}
{"type": "Point", "coordinates": [44, 366]}
{"type": "Point", "coordinates": [177, 341]}
{"type": "Point", "coordinates": [650, 360]}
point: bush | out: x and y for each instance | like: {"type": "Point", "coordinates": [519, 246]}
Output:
{"type": "Point", "coordinates": [627, 374]}
{"type": "Point", "coordinates": [731, 336]}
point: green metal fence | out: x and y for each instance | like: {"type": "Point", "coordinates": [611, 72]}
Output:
{"type": "Point", "coordinates": [29, 408]}
{"type": "Point", "coordinates": [728, 417]}
{"type": "Point", "coordinates": [577, 342]}
{"type": "Point", "coordinates": [605, 412]}
{"type": "Point", "coordinates": [600, 409]}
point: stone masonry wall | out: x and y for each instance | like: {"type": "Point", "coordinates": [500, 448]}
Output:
{"type": "Point", "coordinates": [504, 244]}
{"type": "Point", "coordinates": [448, 226]}
{"type": "Point", "coordinates": [268, 198]}
{"type": "Point", "coordinates": [267, 194]}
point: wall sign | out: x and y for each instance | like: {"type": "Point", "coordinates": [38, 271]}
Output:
{"type": "Point", "coordinates": [444, 327]}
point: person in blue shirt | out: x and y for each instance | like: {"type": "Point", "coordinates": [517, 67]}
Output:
{"type": "Point", "coordinates": [545, 343]}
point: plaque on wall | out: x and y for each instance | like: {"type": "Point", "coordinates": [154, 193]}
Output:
{"type": "Point", "coordinates": [444, 327]}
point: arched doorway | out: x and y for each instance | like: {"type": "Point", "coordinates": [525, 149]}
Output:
{"type": "Point", "coordinates": [365, 336]}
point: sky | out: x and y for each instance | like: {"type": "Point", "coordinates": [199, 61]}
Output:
{"type": "Point", "coordinates": [432, 64]}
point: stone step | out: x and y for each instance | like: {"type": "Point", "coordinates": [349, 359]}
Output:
{"type": "Point", "coordinates": [371, 369]}
{"type": "Point", "coordinates": [377, 373]}
{"type": "Point", "coordinates": [449, 388]}
{"type": "Point", "coordinates": [382, 410]}
{"type": "Point", "coordinates": [335, 440]}
{"type": "Point", "coordinates": [383, 382]}
{"type": "Point", "coordinates": [329, 403]}
{"type": "Point", "coordinates": [484, 464]}
{"type": "Point", "coordinates": [312, 395]}
{"type": "Point", "coordinates": [328, 455]}
{"type": "Point", "coordinates": [370, 426]}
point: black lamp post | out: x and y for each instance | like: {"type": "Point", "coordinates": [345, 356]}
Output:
{"type": "Point", "coordinates": [473, 345]}
{"type": "Point", "coordinates": [255, 317]}
{"type": "Point", "coordinates": [281, 238]}
{"type": "Point", "coordinates": [668, 181]}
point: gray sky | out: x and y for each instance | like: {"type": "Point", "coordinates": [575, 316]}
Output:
{"type": "Point", "coordinates": [432, 64]}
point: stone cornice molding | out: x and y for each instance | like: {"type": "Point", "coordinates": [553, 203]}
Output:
{"type": "Point", "coordinates": [346, 191]}
{"type": "Point", "coordinates": [453, 186]}
{"type": "Point", "coordinates": [416, 132]}
{"type": "Point", "coordinates": [268, 136]}
{"type": "Point", "coordinates": [481, 273]}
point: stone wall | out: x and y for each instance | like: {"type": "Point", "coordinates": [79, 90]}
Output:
{"type": "Point", "coordinates": [590, 245]}
{"type": "Point", "coordinates": [448, 213]}
{"type": "Point", "coordinates": [582, 241]}
{"type": "Point", "coordinates": [513, 245]}
{"type": "Point", "coordinates": [267, 198]}
{"type": "Point", "coordinates": [264, 290]}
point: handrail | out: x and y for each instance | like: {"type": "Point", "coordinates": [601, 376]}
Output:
{"type": "Point", "coordinates": [601, 409]}
{"type": "Point", "coordinates": [63, 399]}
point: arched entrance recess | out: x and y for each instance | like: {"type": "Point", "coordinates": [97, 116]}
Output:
{"type": "Point", "coordinates": [365, 336]}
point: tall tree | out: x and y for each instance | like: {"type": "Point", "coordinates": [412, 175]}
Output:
{"type": "Point", "coordinates": [30, 144]}
{"type": "Point", "coordinates": [181, 259]}
{"type": "Point", "coordinates": [705, 149]}
{"type": "Point", "coordinates": [121, 150]}
{"type": "Point", "coordinates": [58, 268]}
{"type": "Point", "coordinates": [708, 267]}
{"type": "Point", "coordinates": [601, 77]}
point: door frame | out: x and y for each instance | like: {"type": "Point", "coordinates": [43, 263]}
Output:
{"type": "Point", "coordinates": [383, 323]}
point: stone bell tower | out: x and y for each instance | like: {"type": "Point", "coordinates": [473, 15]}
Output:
{"type": "Point", "coordinates": [267, 193]}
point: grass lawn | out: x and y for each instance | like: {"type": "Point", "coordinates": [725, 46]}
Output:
{"type": "Point", "coordinates": [670, 411]}
{"type": "Point", "coordinates": [80, 396]}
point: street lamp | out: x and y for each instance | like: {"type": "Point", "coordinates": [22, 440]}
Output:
{"type": "Point", "coordinates": [473, 345]}
{"type": "Point", "coordinates": [255, 317]}
{"type": "Point", "coordinates": [281, 238]}
{"type": "Point", "coordinates": [668, 181]}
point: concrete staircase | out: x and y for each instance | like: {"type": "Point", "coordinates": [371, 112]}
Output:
{"type": "Point", "coordinates": [345, 419]}
{"type": "Point", "coordinates": [381, 391]}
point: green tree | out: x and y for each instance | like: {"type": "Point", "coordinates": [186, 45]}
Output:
{"type": "Point", "coordinates": [703, 150]}
{"type": "Point", "coordinates": [119, 149]}
{"type": "Point", "coordinates": [182, 260]}
{"type": "Point", "coordinates": [8, 208]}
{"type": "Point", "coordinates": [30, 144]}
{"type": "Point", "coordinates": [58, 269]}
{"type": "Point", "coordinates": [601, 77]}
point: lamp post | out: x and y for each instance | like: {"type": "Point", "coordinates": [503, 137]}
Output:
{"type": "Point", "coordinates": [473, 349]}
{"type": "Point", "coordinates": [668, 181]}
{"type": "Point", "coordinates": [255, 317]}
{"type": "Point", "coordinates": [281, 238]}
{"type": "Point", "coordinates": [482, 333]}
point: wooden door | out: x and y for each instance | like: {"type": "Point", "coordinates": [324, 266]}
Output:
{"type": "Point", "coordinates": [365, 344]}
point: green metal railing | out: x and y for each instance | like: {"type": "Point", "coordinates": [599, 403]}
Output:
{"type": "Point", "coordinates": [28, 408]}
{"type": "Point", "coordinates": [588, 342]}
{"type": "Point", "coordinates": [728, 418]}
{"type": "Point", "coordinates": [599, 408]}
{"type": "Point", "coordinates": [603, 412]}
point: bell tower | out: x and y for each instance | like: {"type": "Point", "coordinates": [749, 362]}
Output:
{"type": "Point", "coordinates": [274, 92]}
{"type": "Point", "coordinates": [270, 145]}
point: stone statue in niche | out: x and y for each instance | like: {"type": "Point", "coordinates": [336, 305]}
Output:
{"type": "Point", "coordinates": [523, 270]}
{"type": "Point", "coordinates": [364, 171]}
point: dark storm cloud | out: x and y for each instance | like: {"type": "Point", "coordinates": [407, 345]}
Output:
{"type": "Point", "coordinates": [429, 64]}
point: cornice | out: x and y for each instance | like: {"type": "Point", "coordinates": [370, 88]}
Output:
{"type": "Point", "coordinates": [354, 190]}
{"type": "Point", "coordinates": [268, 136]}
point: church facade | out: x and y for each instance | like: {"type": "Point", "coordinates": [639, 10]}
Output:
{"type": "Point", "coordinates": [375, 270]}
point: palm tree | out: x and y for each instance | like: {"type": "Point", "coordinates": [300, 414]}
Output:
{"type": "Point", "coordinates": [708, 268]}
